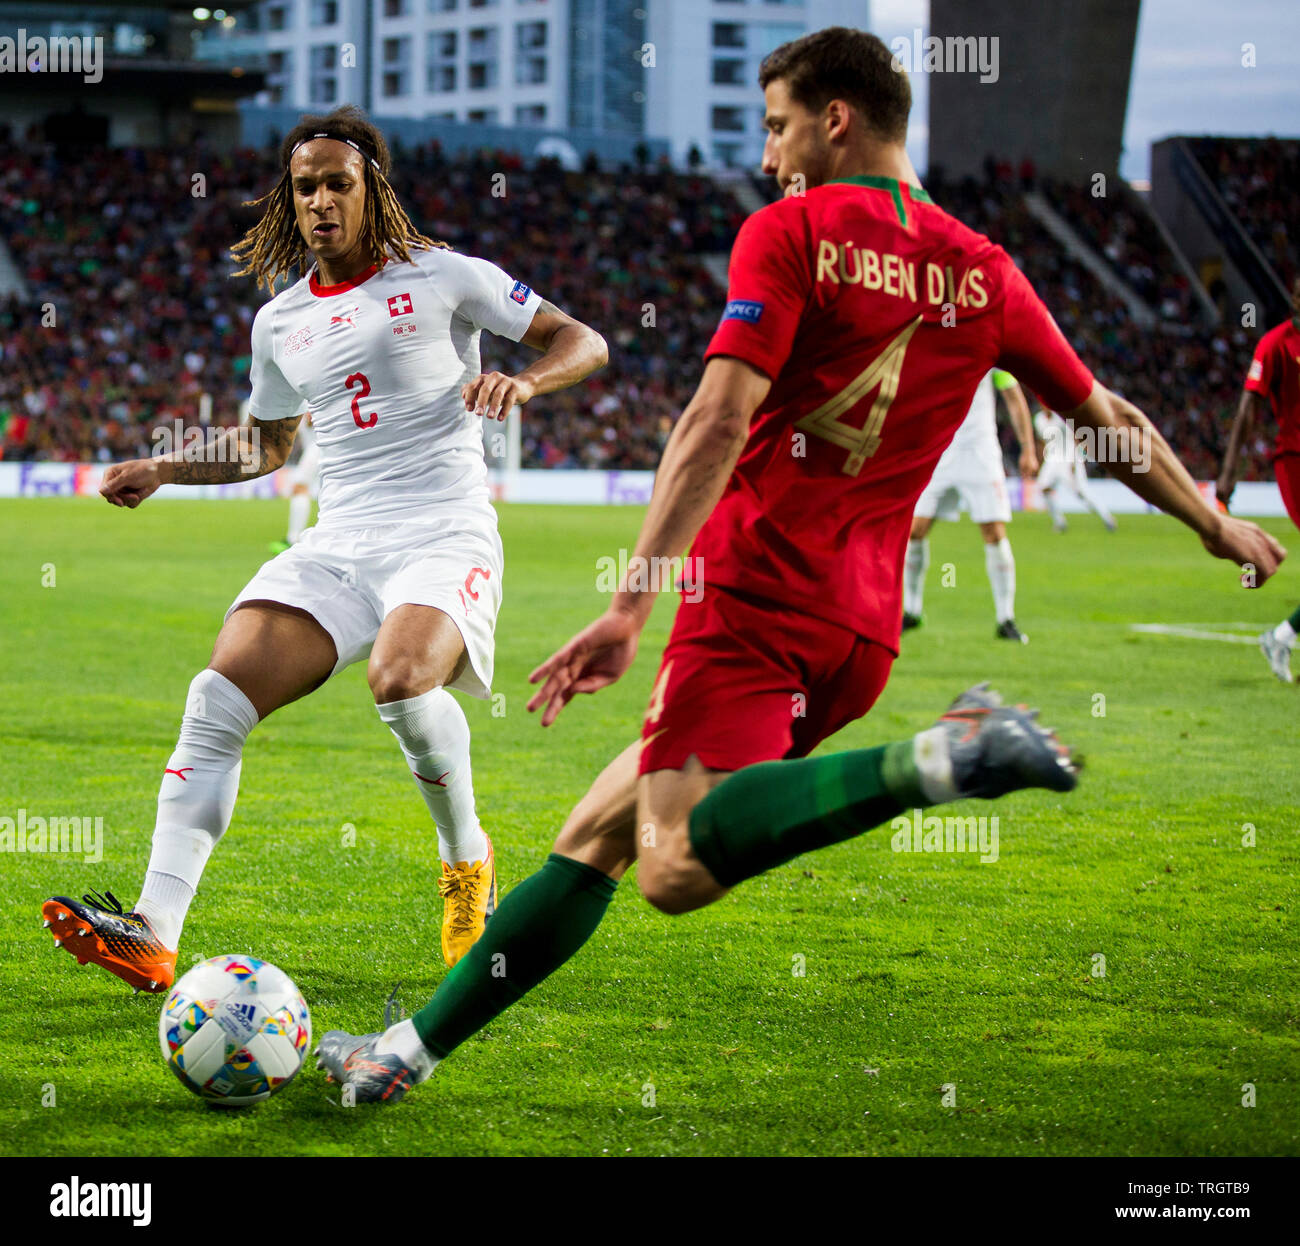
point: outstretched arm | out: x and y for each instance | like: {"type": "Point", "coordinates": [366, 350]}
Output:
{"type": "Point", "coordinates": [1022, 424]}
{"type": "Point", "coordinates": [242, 453]}
{"type": "Point", "coordinates": [1252, 405]}
{"type": "Point", "coordinates": [1150, 468]}
{"type": "Point", "coordinates": [571, 351]}
{"type": "Point", "coordinates": [697, 463]}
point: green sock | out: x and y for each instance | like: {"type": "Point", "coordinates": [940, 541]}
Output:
{"type": "Point", "coordinates": [767, 814]}
{"type": "Point", "coordinates": [1294, 620]}
{"type": "Point", "coordinates": [536, 928]}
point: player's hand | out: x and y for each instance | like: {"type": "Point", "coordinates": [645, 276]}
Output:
{"type": "Point", "coordinates": [128, 484]}
{"type": "Point", "coordinates": [595, 657]}
{"type": "Point", "coordinates": [1028, 463]}
{"type": "Point", "coordinates": [1223, 492]}
{"type": "Point", "coordinates": [1248, 545]}
{"type": "Point", "coordinates": [494, 393]}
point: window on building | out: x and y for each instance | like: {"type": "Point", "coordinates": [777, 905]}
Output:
{"type": "Point", "coordinates": [442, 45]}
{"type": "Point", "coordinates": [530, 114]}
{"type": "Point", "coordinates": [397, 51]}
{"type": "Point", "coordinates": [482, 75]}
{"type": "Point", "coordinates": [324, 57]}
{"type": "Point", "coordinates": [732, 120]}
{"type": "Point", "coordinates": [483, 41]}
{"type": "Point", "coordinates": [324, 89]}
{"type": "Point", "coordinates": [276, 62]}
{"type": "Point", "coordinates": [395, 83]}
{"type": "Point", "coordinates": [530, 70]}
{"type": "Point", "coordinates": [728, 35]}
{"type": "Point", "coordinates": [727, 154]}
{"type": "Point", "coordinates": [395, 8]}
{"type": "Point", "coordinates": [443, 6]}
{"type": "Point", "coordinates": [442, 77]}
{"type": "Point", "coordinates": [729, 73]}
{"type": "Point", "coordinates": [530, 35]}
{"type": "Point", "coordinates": [277, 17]}
{"type": "Point", "coordinates": [486, 116]}
{"type": "Point", "coordinates": [324, 12]}
{"type": "Point", "coordinates": [482, 4]}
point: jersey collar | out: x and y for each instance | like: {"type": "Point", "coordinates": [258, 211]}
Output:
{"type": "Point", "coordinates": [324, 292]}
{"type": "Point", "coordinates": [895, 189]}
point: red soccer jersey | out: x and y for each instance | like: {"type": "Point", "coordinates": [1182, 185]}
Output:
{"type": "Point", "coordinates": [876, 315]}
{"type": "Point", "coordinates": [1275, 374]}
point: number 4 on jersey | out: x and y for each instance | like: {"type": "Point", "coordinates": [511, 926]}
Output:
{"type": "Point", "coordinates": [862, 443]}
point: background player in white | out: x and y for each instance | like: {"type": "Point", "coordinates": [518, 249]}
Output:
{"type": "Point", "coordinates": [304, 484]}
{"type": "Point", "coordinates": [1063, 467]}
{"type": "Point", "coordinates": [380, 341]}
{"type": "Point", "coordinates": [969, 474]}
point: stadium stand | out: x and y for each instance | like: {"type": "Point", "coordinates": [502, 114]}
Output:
{"type": "Point", "coordinates": [1259, 179]}
{"type": "Point", "coordinates": [132, 265]}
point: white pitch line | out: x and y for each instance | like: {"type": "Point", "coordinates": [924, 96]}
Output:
{"type": "Point", "coordinates": [1194, 632]}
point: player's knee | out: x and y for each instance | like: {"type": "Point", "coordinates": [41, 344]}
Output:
{"type": "Point", "coordinates": [669, 881]}
{"type": "Point", "coordinates": [400, 679]}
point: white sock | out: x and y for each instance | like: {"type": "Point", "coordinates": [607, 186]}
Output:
{"type": "Point", "coordinates": [1285, 633]}
{"type": "Point", "coordinates": [195, 799]}
{"type": "Point", "coordinates": [915, 566]}
{"type": "Point", "coordinates": [1001, 566]}
{"type": "Point", "coordinates": [1097, 508]}
{"type": "Point", "coordinates": [403, 1041]}
{"type": "Point", "coordinates": [434, 736]}
{"type": "Point", "coordinates": [1053, 500]}
{"type": "Point", "coordinates": [934, 765]}
{"type": "Point", "coordinates": [299, 510]}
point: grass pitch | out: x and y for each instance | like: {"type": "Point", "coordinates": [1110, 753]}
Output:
{"type": "Point", "coordinates": [945, 1006]}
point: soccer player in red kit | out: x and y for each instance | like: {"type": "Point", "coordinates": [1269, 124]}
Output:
{"type": "Point", "coordinates": [1273, 381]}
{"type": "Point", "coordinates": [859, 321]}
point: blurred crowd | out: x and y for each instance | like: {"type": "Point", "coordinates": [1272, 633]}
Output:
{"type": "Point", "coordinates": [1259, 179]}
{"type": "Point", "coordinates": [135, 313]}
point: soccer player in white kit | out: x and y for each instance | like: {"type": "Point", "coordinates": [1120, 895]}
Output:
{"type": "Point", "coordinates": [380, 341]}
{"type": "Point", "coordinates": [1063, 468]}
{"type": "Point", "coordinates": [304, 484]}
{"type": "Point", "coordinates": [969, 474]}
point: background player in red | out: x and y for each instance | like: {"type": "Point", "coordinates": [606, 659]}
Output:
{"type": "Point", "coordinates": [1273, 381]}
{"type": "Point", "coordinates": [860, 320]}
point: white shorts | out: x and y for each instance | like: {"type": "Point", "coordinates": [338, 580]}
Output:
{"type": "Point", "coordinates": [350, 580]}
{"type": "Point", "coordinates": [1056, 472]}
{"type": "Point", "coordinates": [973, 481]}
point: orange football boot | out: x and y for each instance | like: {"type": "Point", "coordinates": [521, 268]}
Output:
{"type": "Point", "coordinates": [97, 932]}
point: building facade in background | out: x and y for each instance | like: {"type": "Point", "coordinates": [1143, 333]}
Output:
{"type": "Point", "coordinates": [684, 71]}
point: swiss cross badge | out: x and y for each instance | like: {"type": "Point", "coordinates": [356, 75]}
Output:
{"type": "Point", "coordinates": [400, 305]}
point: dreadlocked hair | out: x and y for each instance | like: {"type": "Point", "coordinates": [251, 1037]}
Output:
{"type": "Point", "coordinates": [275, 245]}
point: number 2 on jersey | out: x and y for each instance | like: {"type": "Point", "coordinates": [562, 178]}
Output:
{"type": "Point", "coordinates": [862, 443]}
{"type": "Point", "coordinates": [359, 378]}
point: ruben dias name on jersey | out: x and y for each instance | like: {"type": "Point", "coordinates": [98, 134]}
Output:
{"type": "Point", "coordinates": [380, 361]}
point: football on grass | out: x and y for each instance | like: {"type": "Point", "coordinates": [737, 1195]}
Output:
{"type": "Point", "coordinates": [234, 1030]}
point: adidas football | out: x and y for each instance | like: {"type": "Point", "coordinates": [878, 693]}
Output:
{"type": "Point", "coordinates": [234, 1030]}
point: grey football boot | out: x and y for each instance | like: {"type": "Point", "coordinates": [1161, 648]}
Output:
{"type": "Point", "coordinates": [997, 748]}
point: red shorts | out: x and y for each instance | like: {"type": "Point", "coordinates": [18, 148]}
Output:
{"type": "Point", "coordinates": [1286, 471]}
{"type": "Point", "coordinates": [745, 680]}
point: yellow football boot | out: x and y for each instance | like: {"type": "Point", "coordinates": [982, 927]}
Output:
{"type": "Point", "coordinates": [469, 898]}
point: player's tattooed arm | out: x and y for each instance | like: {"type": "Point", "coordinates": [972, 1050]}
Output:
{"type": "Point", "coordinates": [242, 453]}
{"type": "Point", "coordinates": [235, 454]}
{"type": "Point", "coordinates": [571, 351]}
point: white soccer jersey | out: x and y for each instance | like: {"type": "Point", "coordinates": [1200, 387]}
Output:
{"type": "Point", "coordinates": [979, 429]}
{"type": "Point", "coordinates": [380, 361]}
{"type": "Point", "coordinates": [1054, 433]}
